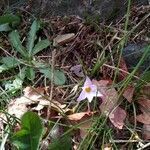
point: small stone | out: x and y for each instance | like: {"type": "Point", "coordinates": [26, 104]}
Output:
{"type": "Point", "coordinates": [132, 54]}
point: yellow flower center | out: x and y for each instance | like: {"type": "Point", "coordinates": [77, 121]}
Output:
{"type": "Point", "coordinates": [88, 89]}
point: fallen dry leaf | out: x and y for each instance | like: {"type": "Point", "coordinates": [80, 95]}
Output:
{"type": "Point", "coordinates": [145, 108]}
{"type": "Point", "coordinates": [144, 118]}
{"type": "Point", "coordinates": [144, 103]}
{"type": "Point", "coordinates": [77, 70]}
{"type": "Point", "coordinates": [63, 39]}
{"type": "Point", "coordinates": [117, 117]}
{"type": "Point", "coordinates": [30, 92]}
{"type": "Point", "coordinates": [101, 84]}
{"type": "Point", "coordinates": [146, 91]}
{"type": "Point", "coordinates": [123, 66]}
{"type": "Point", "coordinates": [110, 96]}
{"type": "Point", "coordinates": [79, 116]}
{"type": "Point", "coordinates": [146, 131]}
{"type": "Point", "coordinates": [19, 106]}
{"type": "Point", "coordinates": [128, 93]}
{"type": "Point", "coordinates": [110, 100]}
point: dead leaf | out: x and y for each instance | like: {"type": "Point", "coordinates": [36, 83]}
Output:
{"type": "Point", "coordinates": [110, 96]}
{"type": "Point", "coordinates": [63, 39]}
{"type": "Point", "coordinates": [146, 131]}
{"type": "Point", "coordinates": [128, 93]}
{"type": "Point", "coordinates": [123, 66]}
{"type": "Point", "coordinates": [101, 83]}
{"type": "Point", "coordinates": [146, 91]}
{"type": "Point", "coordinates": [117, 117]}
{"type": "Point", "coordinates": [144, 103]}
{"type": "Point", "coordinates": [77, 70]}
{"type": "Point", "coordinates": [110, 100]}
{"type": "Point", "coordinates": [144, 118]}
{"type": "Point", "coordinates": [79, 116]}
{"type": "Point", "coordinates": [19, 106]}
{"type": "Point", "coordinates": [30, 92]}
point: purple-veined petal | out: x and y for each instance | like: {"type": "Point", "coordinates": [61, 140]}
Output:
{"type": "Point", "coordinates": [89, 90]}
{"type": "Point", "coordinates": [90, 97]}
{"type": "Point", "coordinates": [93, 88]}
{"type": "Point", "coordinates": [82, 96]}
{"type": "Point", "coordinates": [87, 82]}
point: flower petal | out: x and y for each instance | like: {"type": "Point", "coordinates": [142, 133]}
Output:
{"type": "Point", "coordinates": [82, 96]}
{"type": "Point", "coordinates": [90, 97]}
{"type": "Point", "coordinates": [87, 82]}
{"type": "Point", "coordinates": [95, 92]}
{"type": "Point", "coordinates": [93, 87]}
{"type": "Point", "coordinates": [98, 94]}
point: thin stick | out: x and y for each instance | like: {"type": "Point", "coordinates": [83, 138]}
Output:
{"type": "Point", "coordinates": [144, 146]}
{"type": "Point", "coordinates": [52, 85]}
{"type": "Point", "coordinates": [124, 141]}
{"type": "Point", "coordinates": [113, 67]}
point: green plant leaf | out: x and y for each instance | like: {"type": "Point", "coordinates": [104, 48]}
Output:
{"type": "Point", "coordinates": [16, 43]}
{"type": "Point", "coordinates": [8, 63]}
{"type": "Point", "coordinates": [30, 73]}
{"type": "Point", "coordinates": [17, 83]}
{"type": "Point", "coordinates": [61, 143]}
{"type": "Point", "coordinates": [10, 19]}
{"type": "Point", "coordinates": [59, 76]}
{"type": "Point", "coordinates": [22, 139]}
{"type": "Point", "coordinates": [29, 136]}
{"type": "Point", "coordinates": [32, 36]}
{"type": "Point", "coordinates": [5, 27]}
{"type": "Point", "coordinates": [40, 46]}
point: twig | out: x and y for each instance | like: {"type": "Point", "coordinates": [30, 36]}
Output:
{"type": "Point", "coordinates": [144, 146]}
{"type": "Point", "coordinates": [5, 51]}
{"type": "Point", "coordinates": [52, 85]}
{"type": "Point", "coordinates": [112, 67]}
{"type": "Point", "coordinates": [124, 141]}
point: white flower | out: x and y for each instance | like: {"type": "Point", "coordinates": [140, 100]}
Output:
{"type": "Point", "coordinates": [89, 90]}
